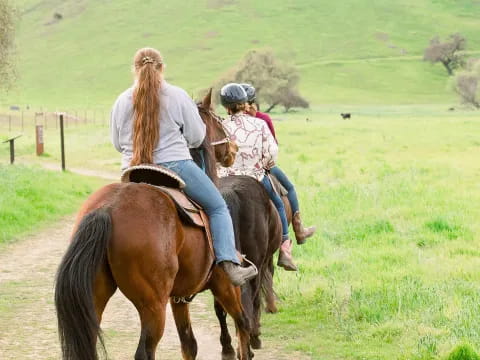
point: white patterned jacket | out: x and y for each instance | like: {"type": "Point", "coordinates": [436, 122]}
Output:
{"type": "Point", "coordinates": [256, 146]}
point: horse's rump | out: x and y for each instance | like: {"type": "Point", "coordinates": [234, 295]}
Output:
{"type": "Point", "coordinates": [249, 207]}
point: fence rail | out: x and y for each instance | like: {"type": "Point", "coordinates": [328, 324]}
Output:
{"type": "Point", "coordinates": [27, 119]}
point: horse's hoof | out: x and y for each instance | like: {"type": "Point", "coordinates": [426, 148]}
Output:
{"type": "Point", "coordinates": [271, 309]}
{"type": "Point", "coordinates": [228, 356]}
{"type": "Point", "coordinates": [255, 342]}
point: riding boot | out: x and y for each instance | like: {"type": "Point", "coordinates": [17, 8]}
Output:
{"type": "Point", "coordinates": [285, 256]}
{"type": "Point", "coordinates": [301, 232]}
{"type": "Point", "coordinates": [237, 274]}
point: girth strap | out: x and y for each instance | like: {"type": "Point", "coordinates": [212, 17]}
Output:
{"type": "Point", "coordinates": [183, 299]}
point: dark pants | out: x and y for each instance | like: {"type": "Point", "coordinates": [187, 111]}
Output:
{"type": "Point", "coordinates": [277, 201]}
{"type": "Point", "coordinates": [292, 195]}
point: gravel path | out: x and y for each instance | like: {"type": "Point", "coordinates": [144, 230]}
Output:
{"type": "Point", "coordinates": [27, 314]}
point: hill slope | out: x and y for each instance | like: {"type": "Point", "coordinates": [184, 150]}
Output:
{"type": "Point", "coordinates": [352, 51]}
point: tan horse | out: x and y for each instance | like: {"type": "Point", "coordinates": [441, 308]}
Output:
{"type": "Point", "coordinates": [129, 236]}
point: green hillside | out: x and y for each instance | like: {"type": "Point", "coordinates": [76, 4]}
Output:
{"type": "Point", "coordinates": [351, 51]}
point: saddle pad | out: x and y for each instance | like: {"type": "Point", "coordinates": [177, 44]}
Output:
{"type": "Point", "coordinates": [152, 174]}
{"type": "Point", "coordinates": [181, 200]}
{"type": "Point", "coordinates": [189, 212]}
{"type": "Point", "coordinates": [278, 187]}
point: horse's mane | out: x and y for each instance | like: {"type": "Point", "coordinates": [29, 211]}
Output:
{"type": "Point", "coordinates": [207, 147]}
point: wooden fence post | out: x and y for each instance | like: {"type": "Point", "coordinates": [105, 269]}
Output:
{"type": "Point", "coordinates": [62, 142]}
{"type": "Point", "coordinates": [12, 148]}
{"type": "Point", "coordinates": [39, 139]}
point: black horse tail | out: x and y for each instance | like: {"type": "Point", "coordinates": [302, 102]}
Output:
{"type": "Point", "coordinates": [78, 326]}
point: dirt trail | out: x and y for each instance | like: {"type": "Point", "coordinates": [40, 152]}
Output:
{"type": "Point", "coordinates": [27, 315]}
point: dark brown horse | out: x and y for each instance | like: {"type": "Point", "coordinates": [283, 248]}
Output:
{"type": "Point", "coordinates": [129, 236]}
{"type": "Point", "coordinates": [258, 234]}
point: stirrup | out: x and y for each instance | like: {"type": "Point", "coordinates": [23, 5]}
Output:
{"type": "Point", "coordinates": [244, 258]}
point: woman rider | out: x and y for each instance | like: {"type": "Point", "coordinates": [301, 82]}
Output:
{"type": "Point", "coordinates": [257, 152]}
{"type": "Point", "coordinates": [155, 122]}
{"type": "Point", "coordinates": [301, 232]}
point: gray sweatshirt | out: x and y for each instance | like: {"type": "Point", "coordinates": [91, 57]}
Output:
{"type": "Point", "coordinates": [181, 127]}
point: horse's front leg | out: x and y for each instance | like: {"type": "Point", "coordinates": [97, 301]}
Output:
{"type": "Point", "coordinates": [229, 297]}
{"type": "Point", "coordinates": [225, 339]}
{"type": "Point", "coordinates": [181, 315]}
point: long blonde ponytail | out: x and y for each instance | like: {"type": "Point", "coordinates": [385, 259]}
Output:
{"type": "Point", "coordinates": [146, 105]}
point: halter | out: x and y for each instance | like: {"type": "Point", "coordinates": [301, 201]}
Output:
{"type": "Point", "coordinates": [218, 119]}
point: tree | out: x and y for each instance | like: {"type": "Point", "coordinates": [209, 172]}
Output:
{"type": "Point", "coordinates": [467, 83]}
{"type": "Point", "coordinates": [275, 82]}
{"type": "Point", "coordinates": [7, 30]}
{"type": "Point", "coordinates": [448, 53]}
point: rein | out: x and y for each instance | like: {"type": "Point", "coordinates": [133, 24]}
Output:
{"type": "Point", "coordinates": [218, 119]}
{"type": "Point", "coordinates": [223, 141]}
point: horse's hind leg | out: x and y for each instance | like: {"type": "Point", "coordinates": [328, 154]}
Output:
{"type": "Point", "coordinates": [255, 341]}
{"type": "Point", "coordinates": [103, 288]}
{"type": "Point", "coordinates": [184, 327]}
{"type": "Point", "coordinates": [152, 318]}
{"type": "Point", "coordinates": [267, 284]}
{"type": "Point", "coordinates": [228, 353]}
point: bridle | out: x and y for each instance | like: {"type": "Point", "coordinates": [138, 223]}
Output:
{"type": "Point", "coordinates": [218, 119]}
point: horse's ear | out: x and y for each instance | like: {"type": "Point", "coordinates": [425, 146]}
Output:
{"type": "Point", "coordinates": [207, 100]}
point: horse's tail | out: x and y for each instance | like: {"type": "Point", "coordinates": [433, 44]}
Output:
{"type": "Point", "coordinates": [78, 326]}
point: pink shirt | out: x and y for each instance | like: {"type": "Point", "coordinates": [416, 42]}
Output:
{"type": "Point", "coordinates": [268, 120]}
{"type": "Point", "coordinates": [256, 146]}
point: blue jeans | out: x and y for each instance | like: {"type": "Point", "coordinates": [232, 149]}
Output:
{"type": "Point", "coordinates": [292, 195]}
{"type": "Point", "coordinates": [201, 189]}
{"type": "Point", "coordinates": [277, 201]}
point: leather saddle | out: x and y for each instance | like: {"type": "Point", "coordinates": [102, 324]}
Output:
{"type": "Point", "coordinates": [171, 184]}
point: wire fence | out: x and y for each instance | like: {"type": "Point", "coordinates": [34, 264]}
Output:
{"type": "Point", "coordinates": [21, 120]}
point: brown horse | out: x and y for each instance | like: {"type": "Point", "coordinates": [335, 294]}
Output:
{"type": "Point", "coordinates": [258, 233]}
{"type": "Point", "coordinates": [129, 236]}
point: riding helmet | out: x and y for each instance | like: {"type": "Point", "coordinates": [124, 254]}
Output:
{"type": "Point", "coordinates": [232, 94]}
{"type": "Point", "coordinates": [250, 90]}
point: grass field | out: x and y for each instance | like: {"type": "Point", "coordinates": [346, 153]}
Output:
{"type": "Point", "coordinates": [349, 52]}
{"type": "Point", "coordinates": [393, 271]}
{"type": "Point", "coordinates": [31, 197]}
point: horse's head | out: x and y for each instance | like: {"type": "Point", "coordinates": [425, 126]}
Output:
{"type": "Point", "coordinates": [218, 138]}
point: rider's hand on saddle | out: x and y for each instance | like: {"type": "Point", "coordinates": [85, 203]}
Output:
{"type": "Point", "coordinates": [270, 164]}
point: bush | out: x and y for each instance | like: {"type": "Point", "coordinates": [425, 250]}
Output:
{"type": "Point", "coordinates": [7, 29]}
{"type": "Point", "coordinates": [467, 84]}
{"type": "Point", "coordinates": [463, 352]}
{"type": "Point", "coordinates": [275, 82]}
{"type": "Point", "coordinates": [447, 52]}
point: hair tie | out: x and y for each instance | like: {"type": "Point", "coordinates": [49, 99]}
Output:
{"type": "Point", "coordinates": [147, 60]}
